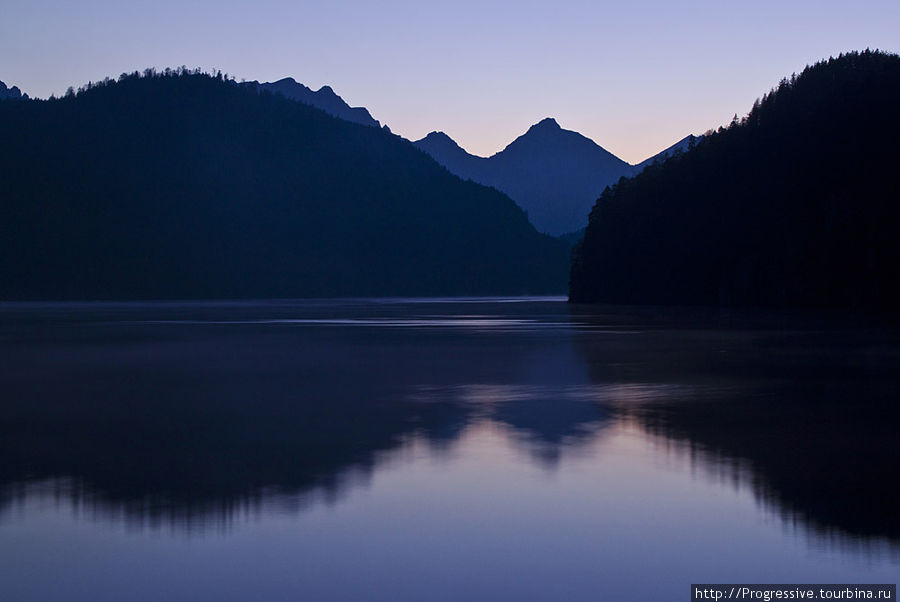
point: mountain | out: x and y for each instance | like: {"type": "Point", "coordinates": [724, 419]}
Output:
{"type": "Point", "coordinates": [188, 186]}
{"type": "Point", "coordinates": [448, 153]}
{"type": "Point", "coordinates": [12, 93]}
{"type": "Point", "coordinates": [682, 146]}
{"type": "Point", "coordinates": [324, 98]}
{"type": "Point", "coordinates": [795, 205]}
{"type": "Point", "coordinates": [552, 173]}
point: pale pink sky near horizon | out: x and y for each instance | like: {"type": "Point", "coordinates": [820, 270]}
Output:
{"type": "Point", "coordinates": [633, 77]}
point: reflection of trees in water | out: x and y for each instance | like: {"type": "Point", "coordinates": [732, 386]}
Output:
{"type": "Point", "coordinates": [193, 425]}
{"type": "Point", "coordinates": [289, 466]}
{"type": "Point", "coordinates": [188, 459]}
{"type": "Point", "coordinates": [828, 462]}
{"type": "Point", "coordinates": [804, 414]}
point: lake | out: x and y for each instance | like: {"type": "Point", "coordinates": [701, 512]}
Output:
{"type": "Point", "coordinates": [441, 449]}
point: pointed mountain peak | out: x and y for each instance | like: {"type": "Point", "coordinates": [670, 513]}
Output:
{"type": "Point", "coordinates": [682, 145]}
{"type": "Point", "coordinates": [439, 142]}
{"type": "Point", "coordinates": [438, 137]}
{"type": "Point", "coordinates": [552, 173]}
{"type": "Point", "coordinates": [547, 124]}
{"type": "Point", "coordinates": [326, 90]}
{"type": "Point", "coordinates": [547, 137]}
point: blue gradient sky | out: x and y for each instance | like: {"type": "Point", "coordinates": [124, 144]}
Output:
{"type": "Point", "coordinates": [635, 77]}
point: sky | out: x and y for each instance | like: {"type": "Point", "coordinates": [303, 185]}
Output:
{"type": "Point", "coordinates": [633, 76]}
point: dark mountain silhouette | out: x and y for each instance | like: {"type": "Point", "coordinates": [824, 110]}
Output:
{"type": "Point", "coordinates": [188, 186]}
{"type": "Point", "coordinates": [552, 173]}
{"type": "Point", "coordinates": [324, 98]}
{"type": "Point", "coordinates": [683, 145]}
{"type": "Point", "coordinates": [11, 93]}
{"type": "Point", "coordinates": [448, 153]}
{"type": "Point", "coordinates": [794, 205]}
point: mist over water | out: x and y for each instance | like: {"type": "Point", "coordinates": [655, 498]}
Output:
{"type": "Point", "coordinates": [440, 449]}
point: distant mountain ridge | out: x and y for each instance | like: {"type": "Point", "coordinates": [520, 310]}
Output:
{"type": "Point", "coordinates": [683, 145]}
{"type": "Point", "coordinates": [553, 173]}
{"type": "Point", "coordinates": [11, 93]}
{"type": "Point", "coordinates": [324, 98]}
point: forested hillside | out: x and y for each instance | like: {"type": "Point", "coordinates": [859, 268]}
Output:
{"type": "Point", "coordinates": [796, 204]}
{"type": "Point", "coordinates": [185, 185]}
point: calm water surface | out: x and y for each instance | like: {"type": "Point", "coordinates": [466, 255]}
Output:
{"type": "Point", "coordinates": [481, 449]}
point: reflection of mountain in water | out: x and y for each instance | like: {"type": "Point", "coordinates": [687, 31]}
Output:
{"type": "Point", "coordinates": [546, 419]}
{"type": "Point", "coordinates": [189, 415]}
{"type": "Point", "coordinates": [202, 411]}
{"type": "Point", "coordinates": [809, 407]}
